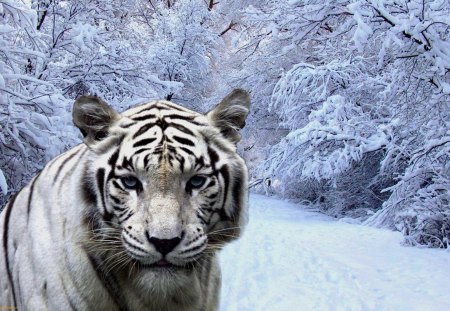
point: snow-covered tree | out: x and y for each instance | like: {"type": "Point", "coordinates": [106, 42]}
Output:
{"type": "Point", "coordinates": [33, 118]}
{"type": "Point", "coordinates": [184, 47]}
{"type": "Point", "coordinates": [124, 51]}
{"type": "Point", "coordinates": [357, 82]}
{"type": "Point", "coordinates": [353, 93]}
{"type": "Point", "coordinates": [97, 47]}
{"type": "Point", "coordinates": [50, 54]}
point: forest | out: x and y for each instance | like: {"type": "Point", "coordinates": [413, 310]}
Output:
{"type": "Point", "coordinates": [350, 98]}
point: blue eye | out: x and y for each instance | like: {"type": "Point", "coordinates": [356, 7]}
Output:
{"type": "Point", "coordinates": [197, 181]}
{"type": "Point", "coordinates": [130, 182]}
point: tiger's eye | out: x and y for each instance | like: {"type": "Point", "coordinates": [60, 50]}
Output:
{"type": "Point", "coordinates": [130, 182]}
{"type": "Point", "coordinates": [197, 181]}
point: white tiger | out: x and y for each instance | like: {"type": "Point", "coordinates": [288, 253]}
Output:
{"type": "Point", "coordinates": [133, 218]}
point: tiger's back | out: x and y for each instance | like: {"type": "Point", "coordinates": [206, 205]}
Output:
{"type": "Point", "coordinates": [132, 219]}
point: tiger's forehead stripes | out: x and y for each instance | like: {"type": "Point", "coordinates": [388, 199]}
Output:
{"type": "Point", "coordinates": [160, 109]}
{"type": "Point", "coordinates": [162, 132]}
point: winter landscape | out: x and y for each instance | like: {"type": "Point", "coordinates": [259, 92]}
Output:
{"type": "Point", "coordinates": [291, 258]}
{"type": "Point", "coordinates": [349, 128]}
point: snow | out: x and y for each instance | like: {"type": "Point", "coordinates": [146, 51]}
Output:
{"type": "Point", "coordinates": [363, 31]}
{"type": "Point", "coordinates": [291, 258]}
{"type": "Point", "coordinates": [3, 184]}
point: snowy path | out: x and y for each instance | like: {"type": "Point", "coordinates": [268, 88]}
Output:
{"type": "Point", "coordinates": [291, 259]}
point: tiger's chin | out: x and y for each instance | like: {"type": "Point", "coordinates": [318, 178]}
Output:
{"type": "Point", "coordinates": [161, 283]}
{"type": "Point", "coordinates": [163, 272]}
{"type": "Point", "coordinates": [163, 277]}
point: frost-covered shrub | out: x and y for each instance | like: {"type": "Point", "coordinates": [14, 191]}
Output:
{"type": "Point", "coordinates": [427, 228]}
{"type": "Point", "coordinates": [358, 191]}
{"type": "Point", "coordinates": [419, 205]}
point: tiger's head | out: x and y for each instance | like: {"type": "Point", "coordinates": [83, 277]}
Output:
{"type": "Point", "coordinates": [165, 185]}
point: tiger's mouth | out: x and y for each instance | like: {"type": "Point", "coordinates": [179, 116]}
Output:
{"type": "Point", "coordinates": [164, 265]}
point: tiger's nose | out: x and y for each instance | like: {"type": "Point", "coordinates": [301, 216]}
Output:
{"type": "Point", "coordinates": [164, 246]}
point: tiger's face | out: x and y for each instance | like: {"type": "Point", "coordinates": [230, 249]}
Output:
{"type": "Point", "coordinates": [167, 194]}
{"type": "Point", "coordinates": [169, 182]}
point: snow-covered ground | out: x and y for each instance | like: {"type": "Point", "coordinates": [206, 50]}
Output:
{"type": "Point", "coordinates": [293, 259]}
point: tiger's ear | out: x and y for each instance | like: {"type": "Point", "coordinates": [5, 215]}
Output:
{"type": "Point", "coordinates": [229, 116]}
{"type": "Point", "coordinates": [93, 117]}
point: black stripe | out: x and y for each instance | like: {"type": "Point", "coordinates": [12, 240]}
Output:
{"type": "Point", "coordinates": [100, 176]}
{"type": "Point", "coordinates": [236, 193]}
{"type": "Point", "coordinates": [141, 150]}
{"type": "Point", "coordinates": [88, 194]}
{"type": "Point", "coordinates": [205, 207]}
{"type": "Point", "coordinates": [134, 246]}
{"type": "Point", "coordinates": [226, 180]}
{"type": "Point", "coordinates": [113, 159]}
{"type": "Point", "coordinates": [181, 160]}
{"type": "Point", "coordinates": [162, 124]}
{"type": "Point", "coordinates": [189, 120]}
{"type": "Point", "coordinates": [146, 160]}
{"type": "Point", "coordinates": [212, 196]}
{"type": "Point", "coordinates": [171, 149]}
{"type": "Point", "coordinates": [145, 109]}
{"type": "Point", "coordinates": [30, 196]}
{"type": "Point", "coordinates": [160, 106]}
{"type": "Point", "coordinates": [194, 248]}
{"type": "Point", "coordinates": [132, 236]}
{"type": "Point", "coordinates": [213, 157]}
{"type": "Point", "coordinates": [127, 163]}
{"type": "Point", "coordinates": [199, 162]}
{"type": "Point", "coordinates": [186, 150]}
{"type": "Point", "coordinates": [180, 117]}
{"type": "Point", "coordinates": [60, 168]}
{"type": "Point", "coordinates": [183, 141]}
{"type": "Point", "coordinates": [128, 217]}
{"type": "Point", "coordinates": [203, 220]}
{"type": "Point", "coordinates": [115, 199]}
{"type": "Point", "coordinates": [69, 172]}
{"type": "Point", "coordinates": [170, 159]}
{"type": "Point", "coordinates": [143, 142]}
{"type": "Point", "coordinates": [182, 128]}
{"type": "Point", "coordinates": [107, 217]}
{"type": "Point", "coordinates": [8, 210]}
{"type": "Point", "coordinates": [121, 214]}
{"type": "Point", "coordinates": [115, 183]}
{"type": "Point", "coordinates": [119, 208]}
{"type": "Point", "coordinates": [143, 129]}
{"type": "Point", "coordinates": [144, 117]}
{"type": "Point", "coordinates": [158, 149]}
